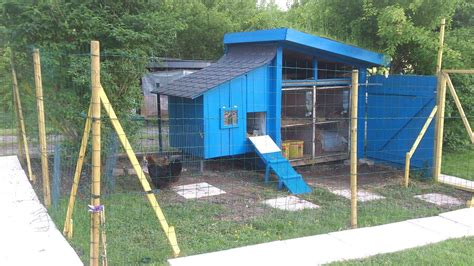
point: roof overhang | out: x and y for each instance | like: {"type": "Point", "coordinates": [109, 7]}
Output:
{"type": "Point", "coordinates": [318, 44]}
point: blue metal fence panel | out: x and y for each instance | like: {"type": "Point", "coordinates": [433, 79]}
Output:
{"type": "Point", "coordinates": [397, 108]}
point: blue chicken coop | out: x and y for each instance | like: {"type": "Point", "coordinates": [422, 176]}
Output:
{"type": "Point", "coordinates": [284, 95]}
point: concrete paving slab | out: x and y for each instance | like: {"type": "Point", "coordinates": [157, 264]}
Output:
{"type": "Point", "coordinates": [28, 235]}
{"type": "Point", "coordinates": [388, 238]}
{"type": "Point", "coordinates": [198, 190]}
{"type": "Point", "coordinates": [362, 195]}
{"type": "Point", "coordinates": [462, 216]}
{"type": "Point", "coordinates": [290, 203]}
{"type": "Point", "coordinates": [444, 226]}
{"type": "Point", "coordinates": [440, 199]}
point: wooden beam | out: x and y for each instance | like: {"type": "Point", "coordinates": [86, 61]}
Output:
{"type": "Point", "coordinates": [416, 143]}
{"type": "Point", "coordinates": [458, 71]}
{"type": "Point", "coordinates": [353, 153]}
{"type": "Point", "coordinates": [439, 127]}
{"type": "Point", "coordinates": [41, 128]}
{"type": "Point", "coordinates": [21, 126]}
{"type": "Point", "coordinates": [68, 226]}
{"type": "Point", "coordinates": [439, 60]}
{"type": "Point", "coordinates": [96, 162]}
{"type": "Point", "coordinates": [169, 230]}
{"type": "Point", "coordinates": [460, 109]}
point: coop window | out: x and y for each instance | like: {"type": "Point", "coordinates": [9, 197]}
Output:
{"type": "Point", "coordinates": [229, 117]}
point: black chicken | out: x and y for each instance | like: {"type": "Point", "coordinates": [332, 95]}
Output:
{"type": "Point", "coordinates": [163, 171]}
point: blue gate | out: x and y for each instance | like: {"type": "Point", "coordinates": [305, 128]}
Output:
{"type": "Point", "coordinates": [396, 109]}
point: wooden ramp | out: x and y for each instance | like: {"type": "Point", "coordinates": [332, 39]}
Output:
{"type": "Point", "coordinates": [28, 235]}
{"type": "Point", "coordinates": [459, 183]}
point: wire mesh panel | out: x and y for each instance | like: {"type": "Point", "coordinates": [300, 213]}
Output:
{"type": "Point", "coordinates": [217, 186]}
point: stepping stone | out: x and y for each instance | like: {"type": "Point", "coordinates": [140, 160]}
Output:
{"type": "Point", "coordinates": [362, 195]}
{"type": "Point", "coordinates": [290, 203]}
{"type": "Point", "coordinates": [440, 199]}
{"type": "Point", "coordinates": [198, 190]}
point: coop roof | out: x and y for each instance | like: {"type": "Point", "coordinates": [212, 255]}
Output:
{"type": "Point", "coordinates": [238, 60]}
{"type": "Point", "coordinates": [317, 45]}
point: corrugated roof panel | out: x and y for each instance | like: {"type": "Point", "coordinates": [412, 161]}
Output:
{"type": "Point", "coordinates": [238, 60]}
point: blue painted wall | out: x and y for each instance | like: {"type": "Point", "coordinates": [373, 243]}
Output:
{"type": "Point", "coordinates": [397, 108]}
{"type": "Point", "coordinates": [186, 125]}
{"type": "Point", "coordinates": [247, 93]}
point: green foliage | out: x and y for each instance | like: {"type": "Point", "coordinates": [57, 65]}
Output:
{"type": "Point", "coordinates": [133, 31]}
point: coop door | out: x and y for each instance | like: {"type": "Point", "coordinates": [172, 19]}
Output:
{"type": "Point", "coordinates": [396, 109]}
{"type": "Point", "coordinates": [256, 124]}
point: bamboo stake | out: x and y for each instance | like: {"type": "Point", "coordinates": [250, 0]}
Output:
{"type": "Point", "coordinates": [104, 238]}
{"type": "Point", "coordinates": [415, 145]}
{"type": "Point", "coordinates": [18, 130]}
{"type": "Point", "coordinates": [439, 127]}
{"type": "Point", "coordinates": [96, 163]}
{"type": "Point", "coordinates": [67, 231]}
{"type": "Point", "coordinates": [459, 106]}
{"type": "Point", "coordinates": [439, 60]}
{"type": "Point", "coordinates": [41, 128]}
{"type": "Point", "coordinates": [20, 118]}
{"type": "Point", "coordinates": [169, 230]}
{"type": "Point", "coordinates": [354, 104]}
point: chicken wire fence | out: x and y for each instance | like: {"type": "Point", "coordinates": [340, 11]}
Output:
{"type": "Point", "coordinates": [212, 183]}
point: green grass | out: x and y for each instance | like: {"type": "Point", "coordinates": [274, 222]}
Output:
{"type": "Point", "coordinates": [449, 252]}
{"type": "Point", "coordinates": [460, 164]}
{"type": "Point", "coordinates": [134, 234]}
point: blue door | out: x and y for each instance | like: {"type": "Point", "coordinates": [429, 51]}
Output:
{"type": "Point", "coordinates": [396, 109]}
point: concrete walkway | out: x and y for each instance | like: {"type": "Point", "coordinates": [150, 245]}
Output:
{"type": "Point", "coordinates": [343, 245]}
{"type": "Point", "coordinates": [28, 236]}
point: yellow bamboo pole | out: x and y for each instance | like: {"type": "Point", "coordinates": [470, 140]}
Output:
{"type": "Point", "coordinates": [18, 131]}
{"type": "Point", "coordinates": [21, 121]}
{"type": "Point", "coordinates": [416, 143]}
{"type": "Point", "coordinates": [354, 104]}
{"type": "Point", "coordinates": [459, 71]}
{"type": "Point", "coordinates": [67, 231]}
{"type": "Point", "coordinates": [41, 127]}
{"type": "Point", "coordinates": [439, 60]}
{"type": "Point", "coordinates": [96, 163]}
{"type": "Point", "coordinates": [104, 239]}
{"type": "Point", "coordinates": [439, 127]}
{"type": "Point", "coordinates": [440, 97]}
{"type": "Point", "coordinates": [459, 106]}
{"type": "Point", "coordinates": [169, 230]}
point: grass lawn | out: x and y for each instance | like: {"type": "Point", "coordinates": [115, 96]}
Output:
{"type": "Point", "coordinates": [449, 252]}
{"type": "Point", "coordinates": [134, 235]}
{"type": "Point", "coordinates": [460, 164]}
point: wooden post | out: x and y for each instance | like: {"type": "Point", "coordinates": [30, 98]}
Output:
{"type": "Point", "coordinates": [96, 163]}
{"type": "Point", "coordinates": [21, 121]}
{"type": "Point", "coordinates": [439, 127]}
{"type": "Point", "coordinates": [439, 62]}
{"type": "Point", "coordinates": [68, 226]}
{"type": "Point", "coordinates": [354, 105]}
{"type": "Point", "coordinates": [160, 131]}
{"type": "Point", "coordinates": [313, 111]}
{"type": "Point", "coordinates": [41, 127]}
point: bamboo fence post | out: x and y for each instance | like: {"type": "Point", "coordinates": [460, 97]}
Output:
{"type": "Point", "coordinates": [96, 123]}
{"type": "Point", "coordinates": [19, 136]}
{"type": "Point", "coordinates": [439, 63]}
{"type": "Point", "coordinates": [41, 128]}
{"type": "Point", "coordinates": [67, 231]}
{"type": "Point", "coordinates": [354, 104]}
{"type": "Point", "coordinates": [440, 126]}
{"type": "Point", "coordinates": [21, 121]}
